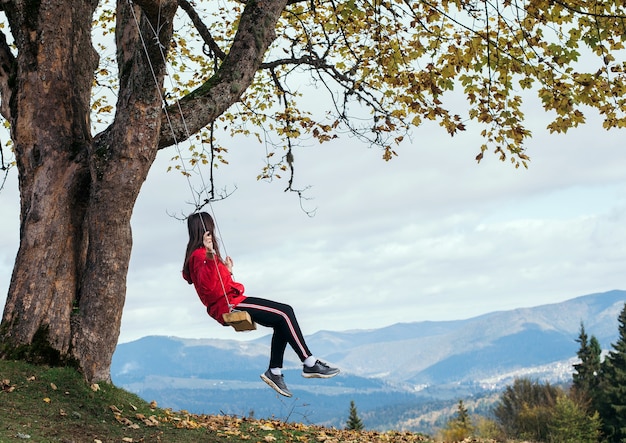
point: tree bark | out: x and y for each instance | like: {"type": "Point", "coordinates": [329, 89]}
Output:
{"type": "Point", "coordinates": [120, 160]}
{"type": "Point", "coordinates": [49, 115]}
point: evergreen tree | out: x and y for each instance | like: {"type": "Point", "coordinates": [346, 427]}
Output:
{"type": "Point", "coordinates": [581, 371]}
{"type": "Point", "coordinates": [459, 427]}
{"type": "Point", "coordinates": [612, 392]}
{"type": "Point", "coordinates": [354, 422]}
{"type": "Point", "coordinates": [586, 375]}
{"type": "Point", "coordinates": [463, 418]}
{"type": "Point", "coordinates": [596, 363]}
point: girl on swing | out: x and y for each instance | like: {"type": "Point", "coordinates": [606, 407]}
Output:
{"type": "Point", "coordinates": [212, 277]}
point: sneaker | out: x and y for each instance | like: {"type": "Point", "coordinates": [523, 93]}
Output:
{"type": "Point", "coordinates": [277, 382]}
{"type": "Point", "coordinates": [319, 370]}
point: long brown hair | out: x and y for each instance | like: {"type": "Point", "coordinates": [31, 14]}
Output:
{"type": "Point", "coordinates": [197, 225]}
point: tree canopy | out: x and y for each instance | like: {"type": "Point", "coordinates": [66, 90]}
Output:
{"type": "Point", "coordinates": [382, 68]}
{"type": "Point", "coordinates": [524, 409]}
{"type": "Point", "coordinates": [91, 91]}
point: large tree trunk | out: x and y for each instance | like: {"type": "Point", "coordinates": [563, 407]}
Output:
{"type": "Point", "coordinates": [50, 128]}
{"type": "Point", "coordinates": [68, 287]}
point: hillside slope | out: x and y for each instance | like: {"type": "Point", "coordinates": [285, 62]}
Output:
{"type": "Point", "coordinates": [55, 405]}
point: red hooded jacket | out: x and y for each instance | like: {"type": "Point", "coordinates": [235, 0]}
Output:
{"type": "Point", "coordinates": [211, 286]}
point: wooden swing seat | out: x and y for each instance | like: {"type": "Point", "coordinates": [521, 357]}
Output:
{"type": "Point", "coordinates": [240, 320]}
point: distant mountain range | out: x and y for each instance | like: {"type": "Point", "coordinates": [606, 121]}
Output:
{"type": "Point", "coordinates": [396, 375]}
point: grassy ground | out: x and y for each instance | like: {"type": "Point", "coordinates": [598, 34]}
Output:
{"type": "Point", "coordinates": [41, 404]}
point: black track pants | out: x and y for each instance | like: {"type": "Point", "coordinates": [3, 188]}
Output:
{"type": "Point", "coordinates": [282, 319]}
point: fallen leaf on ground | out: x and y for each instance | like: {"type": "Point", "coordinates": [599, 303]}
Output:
{"type": "Point", "coordinates": [5, 385]}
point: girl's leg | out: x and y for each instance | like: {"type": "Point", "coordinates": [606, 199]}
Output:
{"type": "Point", "coordinates": [281, 318]}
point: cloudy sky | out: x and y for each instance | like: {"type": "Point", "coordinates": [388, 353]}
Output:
{"type": "Point", "coordinates": [430, 235]}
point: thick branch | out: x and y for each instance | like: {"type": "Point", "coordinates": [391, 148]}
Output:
{"type": "Point", "coordinates": [143, 33]}
{"type": "Point", "coordinates": [142, 38]}
{"type": "Point", "coordinates": [216, 95]}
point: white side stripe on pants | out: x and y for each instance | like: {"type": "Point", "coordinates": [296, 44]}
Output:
{"type": "Point", "coordinates": [281, 313]}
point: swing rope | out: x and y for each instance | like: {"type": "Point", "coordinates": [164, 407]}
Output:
{"type": "Point", "coordinates": [178, 150]}
{"type": "Point", "coordinates": [217, 270]}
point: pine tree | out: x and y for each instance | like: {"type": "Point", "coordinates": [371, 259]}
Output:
{"type": "Point", "coordinates": [459, 427]}
{"type": "Point", "coordinates": [586, 375]}
{"type": "Point", "coordinates": [612, 390]}
{"type": "Point", "coordinates": [354, 423]}
{"type": "Point", "coordinates": [581, 374]}
{"type": "Point", "coordinates": [463, 417]}
{"type": "Point", "coordinates": [596, 364]}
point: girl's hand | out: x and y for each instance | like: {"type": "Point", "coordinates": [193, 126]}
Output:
{"type": "Point", "coordinates": [229, 264]}
{"type": "Point", "coordinates": [207, 241]}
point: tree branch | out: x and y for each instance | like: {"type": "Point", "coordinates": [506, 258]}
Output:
{"type": "Point", "coordinates": [202, 29]}
{"type": "Point", "coordinates": [234, 76]}
{"type": "Point", "coordinates": [591, 14]}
